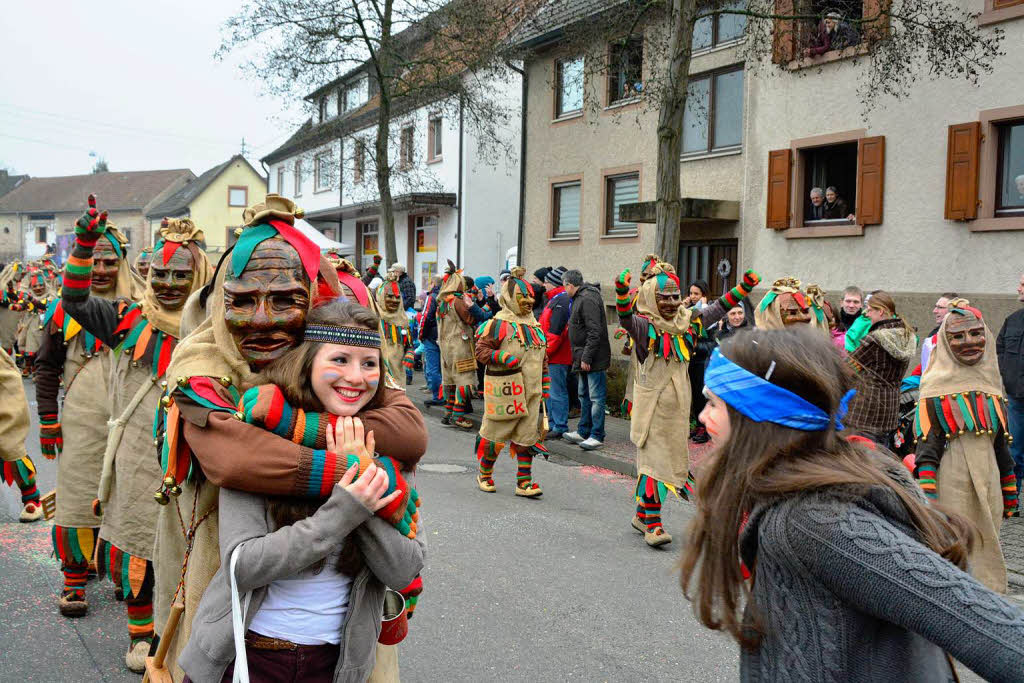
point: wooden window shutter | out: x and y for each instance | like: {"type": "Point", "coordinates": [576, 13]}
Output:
{"type": "Point", "coordinates": [870, 179]}
{"type": "Point", "coordinates": [784, 33]}
{"type": "Point", "coordinates": [779, 188]}
{"type": "Point", "coordinates": [962, 154]}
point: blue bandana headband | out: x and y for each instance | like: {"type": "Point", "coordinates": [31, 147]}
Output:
{"type": "Point", "coordinates": [761, 401]}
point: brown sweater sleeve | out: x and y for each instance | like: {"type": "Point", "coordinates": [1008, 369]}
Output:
{"type": "Point", "coordinates": [49, 368]}
{"type": "Point", "coordinates": [463, 311]}
{"type": "Point", "coordinates": [485, 347]}
{"type": "Point", "coordinates": [237, 455]}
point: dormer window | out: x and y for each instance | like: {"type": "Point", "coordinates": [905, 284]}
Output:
{"type": "Point", "coordinates": [323, 109]}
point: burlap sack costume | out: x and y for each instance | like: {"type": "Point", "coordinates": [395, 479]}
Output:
{"type": "Point", "coordinates": [394, 331]}
{"type": "Point", "coordinates": [768, 314]}
{"type": "Point", "coordinates": [8, 319]}
{"type": "Point", "coordinates": [30, 328]}
{"type": "Point", "coordinates": [967, 480]}
{"type": "Point", "coordinates": [14, 418]}
{"type": "Point", "coordinates": [454, 336]}
{"type": "Point", "coordinates": [661, 398]}
{"type": "Point", "coordinates": [129, 511]}
{"type": "Point", "coordinates": [522, 337]}
{"type": "Point", "coordinates": [84, 417]}
{"type": "Point", "coordinates": [209, 351]}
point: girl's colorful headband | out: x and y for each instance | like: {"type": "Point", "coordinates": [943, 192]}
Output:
{"type": "Point", "coordinates": [344, 335]}
{"type": "Point", "coordinates": [761, 401]}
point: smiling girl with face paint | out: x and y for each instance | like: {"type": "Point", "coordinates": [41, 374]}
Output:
{"type": "Point", "coordinates": [318, 569]}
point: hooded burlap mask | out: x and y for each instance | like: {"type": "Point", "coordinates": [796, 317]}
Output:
{"type": "Point", "coordinates": [128, 286]}
{"type": "Point", "coordinates": [175, 234]}
{"type": "Point", "coordinates": [507, 299]}
{"type": "Point", "coordinates": [647, 301]}
{"type": "Point", "coordinates": [769, 312]}
{"type": "Point", "coordinates": [947, 375]}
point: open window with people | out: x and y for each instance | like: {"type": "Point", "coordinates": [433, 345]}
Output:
{"type": "Point", "coordinates": [830, 179]}
{"type": "Point", "coordinates": [835, 30]}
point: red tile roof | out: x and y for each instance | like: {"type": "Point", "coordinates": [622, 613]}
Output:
{"type": "Point", "coordinates": [115, 191]}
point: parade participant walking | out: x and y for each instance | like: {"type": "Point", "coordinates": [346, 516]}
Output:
{"type": "Point", "coordinates": [427, 323]}
{"type": "Point", "coordinates": [142, 262]}
{"type": "Point", "coordinates": [854, 576]}
{"type": "Point", "coordinates": [879, 364]}
{"type": "Point", "coordinates": [17, 466]}
{"type": "Point", "coordinates": [456, 325]}
{"type": "Point", "coordinates": [20, 470]}
{"type": "Point", "coordinates": [1010, 350]}
{"type": "Point", "coordinates": [259, 302]}
{"type": "Point", "coordinates": [77, 432]}
{"type": "Point", "coordinates": [35, 294]}
{"type": "Point", "coordinates": [665, 334]}
{"type": "Point", "coordinates": [787, 304]}
{"type": "Point", "coordinates": [143, 336]}
{"type": "Point", "coordinates": [318, 583]}
{"type": "Point", "coordinates": [963, 456]}
{"type": "Point", "coordinates": [514, 348]}
{"type": "Point", "coordinates": [396, 339]}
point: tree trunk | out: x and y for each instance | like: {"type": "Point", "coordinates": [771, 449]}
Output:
{"type": "Point", "coordinates": [670, 131]}
{"type": "Point", "coordinates": [387, 213]}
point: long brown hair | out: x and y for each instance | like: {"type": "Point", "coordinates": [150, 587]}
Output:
{"type": "Point", "coordinates": [765, 462]}
{"type": "Point", "coordinates": [292, 372]}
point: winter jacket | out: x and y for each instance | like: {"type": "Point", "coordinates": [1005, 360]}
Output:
{"type": "Point", "coordinates": [428, 317]}
{"type": "Point", "coordinates": [846, 591]}
{"type": "Point", "coordinates": [1010, 350]}
{"type": "Point", "coordinates": [588, 330]}
{"type": "Point", "coordinates": [268, 553]}
{"type": "Point", "coordinates": [407, 288]}
{"type": "Point", "coordinates": [858, 330]}
{"type": "Point", "coordinates": [555, 323]}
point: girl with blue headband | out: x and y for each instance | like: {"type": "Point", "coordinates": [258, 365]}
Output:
{"type": "Point", "coordinates": [817, 552]}
{"type": "Point", "coordinates": [665, 334]}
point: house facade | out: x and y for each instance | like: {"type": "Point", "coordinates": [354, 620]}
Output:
{"type": "Point", "coordinates": [449, 202]}
{"type": "Point", "coordinates": [43, 211]}
{"type": "Point", "coordinates": [214, 201]}
{"type": "Point", "coordinates": [757, 140]}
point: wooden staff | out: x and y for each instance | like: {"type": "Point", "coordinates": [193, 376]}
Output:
{"type": "Point", "coordinates": [156, 672]}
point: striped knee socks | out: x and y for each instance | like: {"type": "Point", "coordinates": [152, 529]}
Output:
{"type": "Point", "coordinates": [23, 473]}
{"type": "Point", "coordinates": [140, 619]}
{"type": "Point", "coordinates": [524, 460]}
{"type": "Point", "coordinates": [487, 453]}
{"type": "Point", "coordinates": [648, 498]}
{"type": "Point", "coordinates": [75, 576]}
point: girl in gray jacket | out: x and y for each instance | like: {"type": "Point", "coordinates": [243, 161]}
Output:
{"type": "Point", "coordinates": [316, 572]}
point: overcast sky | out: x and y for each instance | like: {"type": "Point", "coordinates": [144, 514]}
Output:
{"type": "Point", "coordinates": [134, 82]}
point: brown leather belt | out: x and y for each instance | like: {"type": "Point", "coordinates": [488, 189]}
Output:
{"type": "Point", "coordinates": [258, 642]}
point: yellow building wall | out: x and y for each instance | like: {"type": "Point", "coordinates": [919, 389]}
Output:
{"type": "Point", "coordinates": [210, 210]}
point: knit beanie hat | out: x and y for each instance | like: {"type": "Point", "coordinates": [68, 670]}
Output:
{"type": "Point", "coordinates": [484, 281]}
{"type": "Point", "coordinates": [541, 273]}
{"type": "Point", "coordinates": [554, 276]}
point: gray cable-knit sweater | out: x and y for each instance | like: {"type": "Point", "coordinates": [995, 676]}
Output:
{"type": "Point", "coordinates": [846, 593]}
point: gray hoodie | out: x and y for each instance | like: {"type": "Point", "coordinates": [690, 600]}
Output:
{"type": "Point", "coordinates": [268, 553]}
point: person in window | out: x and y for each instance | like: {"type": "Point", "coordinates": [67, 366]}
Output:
{"type": "Point", "coordinates": [835, 206]}
{"type": "Point", "coordinates": [833, 34]}
{"type": "Point", "coordinates": [817, 198]}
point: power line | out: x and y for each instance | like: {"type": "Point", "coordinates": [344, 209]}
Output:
{"type": "Point", "coordinates": [49, 143]}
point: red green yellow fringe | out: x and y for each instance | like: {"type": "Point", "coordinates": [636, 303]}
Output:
{"type": "Point", "coordinates": [74, 546]}
{"type": "Point", "coordinates": [956, 414]}
{"type": "Point", "coordinates": [528, 335]}
{"type": "Point", "coordinates": [127, 571]}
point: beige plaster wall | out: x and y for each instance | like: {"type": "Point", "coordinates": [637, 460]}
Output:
{"type": "Point", "coordinates": [914, 250]}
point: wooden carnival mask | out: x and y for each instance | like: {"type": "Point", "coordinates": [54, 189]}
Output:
{"type": "Point", "coordinates": [965, 333]}
{"type": "Point", "coordinates": [172, 281]}
{"type": "Point", "coordinates": [265, 306]}
{"type": "Point", "coordinates": [794, 309]}
{"type": "Point", "coordinates": [669, 298]}
{"type": "Point", "coordinates": [142, 262]}
{"type": "Point", "coordinates": [105, 262]}
{"type": "Point", "coordinates": [392, 296]}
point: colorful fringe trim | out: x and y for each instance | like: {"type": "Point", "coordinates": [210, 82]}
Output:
{"type": "Point", "coordinates": [678, 347]}
{"type": "Point", "coordinates": [69, 326]}
{"type": "Point", "coordinates": [73, 545]}
{"type": "Point", "coordinates": [175, 455]}
{"type": "Point", "coordinates": [650, 486]}
{"type": "Point", "coordinates": [395, 334]}
{"type": "Point", "coordinates": [528, 335]}
{"type": "Point", "coordinates": [126, 571]}
{"type": "Point", "coordinates": [141, 337]}
{"type": "Point", "coordinates": [487, 453]}
{"type": "Point", "coordinates": [23, 473]}
{"type": "Point", "coordinates": [956, 414]}
{"type": "Point", "coordinates": [626, 408]}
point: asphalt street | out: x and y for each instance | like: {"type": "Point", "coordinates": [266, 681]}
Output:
{"type": "Point", "coordinates": [555, 589]}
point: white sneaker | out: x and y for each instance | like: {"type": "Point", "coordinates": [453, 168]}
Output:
{"type": "Point", "coordinates": [572, 437]}
{"type": "Point", "coordinates": [591, 444]}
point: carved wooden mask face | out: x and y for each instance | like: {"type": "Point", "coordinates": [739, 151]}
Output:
{"type": "Point", "coordinates": [791, 311]}
{"type": "Point", "coordinates": [523, 301]}
{"type": "Point", "coordinates": [966, 337]}
{"type": "Point", "coordinates": [172, 283]}
{"type": "Point", "coordinates": [104, 267]}
{"type": "Point", "coordinates": [392, 297]}
{"type": "Point", "coordinates": [265, 307]}
{"type": "Point", "coordinates": [669, 300]}
{"type": "Point", "coordinates": [142, 263]}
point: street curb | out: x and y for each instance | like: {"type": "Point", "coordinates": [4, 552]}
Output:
{"type": "Point", "coordinates": [559, 447]}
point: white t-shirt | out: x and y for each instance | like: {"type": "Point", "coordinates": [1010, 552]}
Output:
{"type": "Point", "coordinates": [308, 608]}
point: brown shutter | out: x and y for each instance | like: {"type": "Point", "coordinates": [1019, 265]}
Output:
{"type": "Point", "coordinates": [870, 179]}
{"type": "Point", "coordinates": [779, 179]}
{"type": "Point", "coordinates": [784, 33]}
{"type": "Point", "coordinates": [962, 151]}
